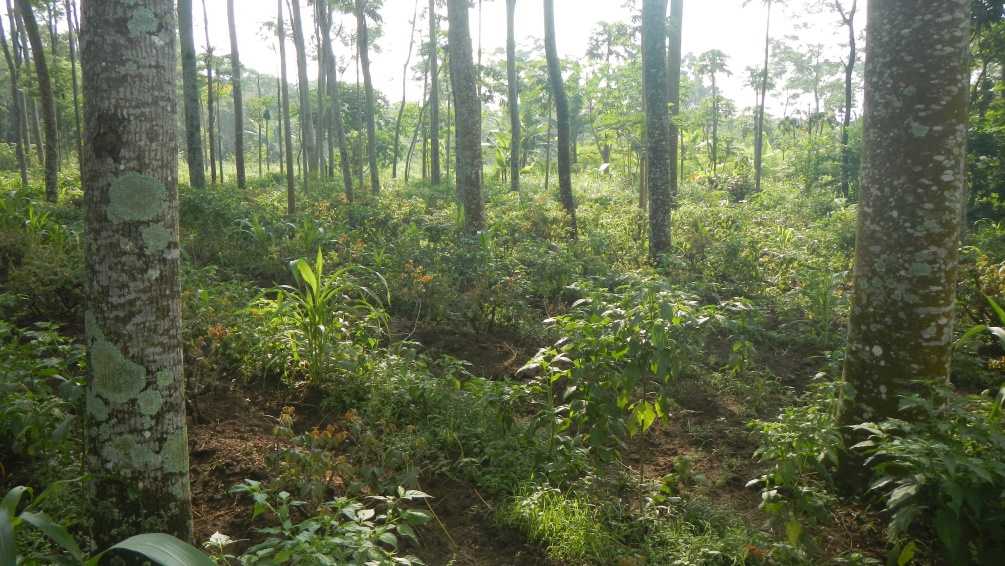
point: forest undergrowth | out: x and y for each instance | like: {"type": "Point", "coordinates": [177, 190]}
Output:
{"type": "Point", "coordinates": [588, 407]}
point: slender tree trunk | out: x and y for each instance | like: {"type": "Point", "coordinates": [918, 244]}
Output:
{"type": "Point", "coordinates": [513, 97]}
{"type": "Point", "coordinates": [363, 44]}
{"type": "Point", "coordinates": [235, 66]}
{"type": "Point", "coordinates": [676, 34]}
{"type": "Point", "coordinates": [434, 98]}
{"type": "Point", "coordinates": [48, 102]}
{"type": "Point", "coordinates": [210, 121]}
{"type": "Point", "coordinates": [849, 75]}
{"type": "Point", "coordinates": [279, 123]}
{"type": "Point", "coordinates": [913, 189]}
{"type": "Point", "coordinates": [561, 116]}
{"type": "Point", "coordinates": [468, 117]}
{"type": "Point", "coordinates": [258, 80]}
{"type": "Point", "coordinates": [759, 125]}
{"type": "Point", "coordinates": [291, 192]}
{"type": "Point", "coordinates": [137, 443]}
{"type": "Point", "coordinates": [404, 85]}
{"type": "Point", "coordinates": [322, 125]}
{"type": "Point", "coordinates": [16, 119]}
{"type": "Point", "coordinates": [418, 124]}
{"type": "Point", "coordinates": [547, 145]}
{"type": "Point", "coordinates": [71, 10]}
{"type": "Point", "coordinates": [190, 87]}
{"type": "Point", "coordinates": [715, 132]}
{"type": "Point", "coordinates": [660, 161]}
{"type": "Point", "coordinates": [306, 115]}
{"type": "Point", "coordinates": [31, 109]}
{"type": "Point", "coordinates": [333, 85]}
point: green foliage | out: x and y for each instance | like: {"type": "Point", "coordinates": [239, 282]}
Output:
{"type": "Point", "coordinates": [343, 531]}
{"type": "Point", "coordinates": [946, 466]}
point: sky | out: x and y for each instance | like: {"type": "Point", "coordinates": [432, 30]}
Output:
{"type": "Point", "coordinates": [708, 24]}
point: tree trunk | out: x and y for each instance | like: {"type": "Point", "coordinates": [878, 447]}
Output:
{"type": "Point", "coordinates": [913, 190]}
{"type": "Point", "coordinates": [363, 44]}
{"type": "Point", "coordinates": [513, 97]}
{"type": "Point", "coordinates": [467, 116]}
{"type": "Point", "coordinates": [676, 34]}
{"type": "Point", "coordinates": [759, 124]}
{"type": "Point", "coordinates": [659, 174]}
{"type": "Point", "coordinates": [209, 98]}
{"type": "Point", "coordinates": [404, 89]}
{"type": "Point", "coordinates": [190, 87]}
{"type": "Point", "coordinates": [291, 193]}
{"type": "Point", "coordinates": [48, 102]}
{"type": "Point", "coordinates": [306, 116]}
{"type": "Point", "coordinates": [137, 444]}
{"type": "Point", "coordinates": [849, 75]}
{"type": "Point", "coordinates": [235, 66]}
{"type": "Point", "coordinates": [561, 116]}
{"type": "Point", "coordinates": [333, 86]}
{"type": "Point", "coordinates": [434, 98]}
{"type": "Point", "coordinates": [72, 31]}
{"type": "Point", "coordinates": [16, 113]}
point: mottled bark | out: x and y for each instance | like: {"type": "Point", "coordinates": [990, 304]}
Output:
{"type": "Point", "coordinates": [363, 45]}
{"type": "Point", "coordinates": [912, 193]}
{"type": "Point", "coordinates": [46, 97]}
{"type": "Point", "coordinates": [306, 116]}
{"type": "Point", "coordinates": [333, 85]}
{"type": "Point", "coordinates": [849, 74]}
{"type": "Point", "coordinates": [190, 89]}
{"type": "Point", "coordinates": [16, 112]}
{"type": "Point", "coordinates": [660, 176]}
{"type": "Point", "coordinates": [137, 444]}
{"type": "Point", "coordinates": [676, 33]}
{"type": "Point", "coordinates": [513, 97]}
{"type": "Point", "coordinates": [291, 194]}
{"type": "Point", "coordinates": [235, 78]}
{"type": "Point", "coordinates": [434, 99]}
{"type": "Point", "coordinates": [562, 144]}
{"type": "Point", "coordinates": [467, 116]}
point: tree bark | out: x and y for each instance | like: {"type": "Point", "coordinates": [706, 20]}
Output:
{"type": "Point", "coordinates": [72, 28]}
{"type": "Point", "coordinates": [291, 193]}
{"type": "Point", "coordinates": [209, 99]}
{"type": "Point", "coordinates": [333, 86]}
{"type": "Point", "coordinates": [913, 190]}
{"type": "Point", "coordinates": [306, 116]}
{"type": "Point", "coordinates": [48, 102]}
{"type": "Point", "coordinates": [849, 74]}
{"type": "Point", "coordinates": [16, 113]}
{"type": "Point", "coordinates": [137, 444]}
{"type": "Point", "coordinates": [467, 116]}
{"type": "Point", "coordinates": [513, 97]}
{"type": "Point", "coordinates": [363, 44]}
{"type": "Point", "coordinates": [759, 125]}
{"type": "Point", "coordinates": [235, 66]}
{"type": "Point", "coordinates": [561, 116]}
{"type": "Point", "coordinates": [404, 92]}
{"type": "Point", "coordinates": [676, 34]}
{"type": "Point", "coordinates": [660, 176]}
{"type": "Point", "coordinates": [434, 98]}
{"type": "Point", "coordinates": [190, 88]}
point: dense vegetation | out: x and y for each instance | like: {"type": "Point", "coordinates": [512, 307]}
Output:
{"type": "Point", "coordinates": [647, 409]}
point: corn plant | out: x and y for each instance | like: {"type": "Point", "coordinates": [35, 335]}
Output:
{"type": "Point", "coordinates": [322, 322]}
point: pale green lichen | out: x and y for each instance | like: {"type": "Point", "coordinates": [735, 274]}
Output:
{"type": "Point", "coordinates": [156, 237]}
{"type": "Point", "coordinates": [118, 450]}
{"type": "Point", "coordinates": [143, 21]}
{"type": "Point", "coordinates": [150, 402]}
{"type": "Point", "coordinates": [140, 455]}
{"type": "Point", "coordinates": [115, 377]}
{"type": "Point", "coordinates": [92, 332]}
{"type": "Point", "coordinates": [921, 269]}
{"type": "Point", "coordinates": [96, 408]}
{"type": "Point", "coordinates": [174, 455]}
{"type": "Point", "coordinates": [919, 130]}
{"type": "Point", "coordinates": [135, 197]}
{"type": "Point", "coordinates": [164, 378]}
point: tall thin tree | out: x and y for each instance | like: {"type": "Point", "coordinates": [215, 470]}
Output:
{"type": "Point", "coordinates": [137, 443]}
{"type": "Point", "coordinates": [333, 86]}
{"type": "Point", "coordinates": [363, 45]}
{"type": "Point", "coordinates": [291, 194]}
{"type": "Point", "coordinates": [404, 92]}
{"type": "Point", "coordinates": [191, 98]}
{"type": "Point", "coordinates": [848, 17]}
{"type": "Point", "coordinates": [676, 34]}
{"type": "Point", "coordinates": [467, 116]}
{"type": "Point", "coordinates": [434, 98]}
{"type": "Point", "coordinates": [71, 10]}
{"type": "Point", "coordinates": [210, 99]}
{"type": "Point", "coordinates": [16, 111]}
{"type": "Point", "coordinates": [561, 116]}
{"type": "Point", "coordinates": [654, 67]}
{"type": "Point", "coordinates": [235, 80]}
{"type": "Point", "coordinates": [48, 101]}
{"type": "Point", "coordinates": [512, 97]}
{"type": "Point", "coordinates": [304, 87]}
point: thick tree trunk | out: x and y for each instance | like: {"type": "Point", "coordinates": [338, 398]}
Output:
{"type": "Point", "coordinates": [912, 193]}
{"type": "Point", "coordinates": [48, 102]}
{"type": "Point", "coordinates": [513, 97]}
{"type": "Point", "coordinates": [660, 175]}
{"type": "Point", "coordinates": [190, 88]}
{"type": "Point", "coordinates": [676, 34]}
{"type": "Point", "coordinates": [306, 116]}
{"type": "Point", "coordinates": [561, 116]}
{"type": "Point", "coordinates": [363, 44]}
{"type": "Point", "coordinates": [468, 117]}
{"type": "Point", "coordinates": [291, 193]}
{"type": "Point", "coordinates": [137, 444]}
{"type": "Point", "coordinates": [333, 86]}
{"type": "Point", "coordinates": [235, 67]}
{"type": "Point", "coordinates": [16, 113]}
{"type": "Point", "coordinates": [434, 98]}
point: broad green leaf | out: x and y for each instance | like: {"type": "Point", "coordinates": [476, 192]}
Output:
{"type": "Point", "coordinates": [12, 498]}
{"type": "Point", "coordinates": [793, 530]}
{"type": "Point", "coordinates": [998, 310]}
{"type": "Point", "coordinates": [8, 554]}
{"type": "Point", "coordinates": [906, 554]}
{"type": "Point", "coordinates": [162, 549]}
{"type": "Point", "coordinates": [901, 494]}
{"type": "Point", "coordinates": [54, 531]}
{"type": "Point", "coordinates": [948, 527]}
